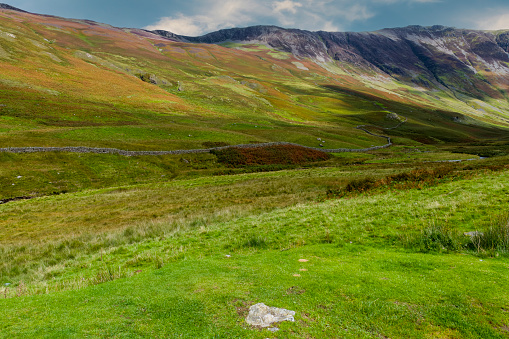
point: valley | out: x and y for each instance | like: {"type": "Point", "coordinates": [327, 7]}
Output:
{"type": "Point", "coordinates": [158, 185]}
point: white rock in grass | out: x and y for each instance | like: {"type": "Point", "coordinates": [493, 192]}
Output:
{"type": "Point", "coordinates": [473, 234]}
{"type": "Point", "coordinates": [263, 315]}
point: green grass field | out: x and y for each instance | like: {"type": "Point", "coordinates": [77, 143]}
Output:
{"type": "Point", "coordinates": [159, 277]}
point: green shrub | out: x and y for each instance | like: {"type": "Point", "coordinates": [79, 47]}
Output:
{"type": "Point", "coordinates": [438, 238]}
{"type": "Point", "coordinates": [361, 185]}
{"type": "Point", "coordinates": [494, 239]}
{"type": "Point", "coordinates": [145, 77]}
{"type": "Point", "coordinates": [418, 178]}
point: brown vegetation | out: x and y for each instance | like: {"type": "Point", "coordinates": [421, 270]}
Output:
{"type": "Point", "coordinates": [270, 155]}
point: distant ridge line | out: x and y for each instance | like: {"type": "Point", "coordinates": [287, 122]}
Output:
{"type": "Point", "coordinates": [12, 8]}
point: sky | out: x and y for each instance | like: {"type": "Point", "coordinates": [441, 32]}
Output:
{"type": "Point", "coordinates": [198, 17]}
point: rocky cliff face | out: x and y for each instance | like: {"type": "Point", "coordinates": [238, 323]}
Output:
{"type": "Point", "coordinates": [298, 42]}
{"type": "Point", "coordinates": [474, 63]}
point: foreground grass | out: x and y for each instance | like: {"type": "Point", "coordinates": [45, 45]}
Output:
{"type": "Point", "coordinates": [231, 211]}
{"type": "Point", "coordinates": [40, 174]}
{"type": "Point", "coordinates": [348, 291]}
{"type": "Point", "coordinates": [160, 277]}
{"type": "Point", "coordinates": [199, 201]}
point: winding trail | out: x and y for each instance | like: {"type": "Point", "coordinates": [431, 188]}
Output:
{"type": "Point", "coordinates": [82, 149]}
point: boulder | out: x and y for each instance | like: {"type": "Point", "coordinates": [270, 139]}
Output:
{"type": "Point", "coordinates": [263, 315]}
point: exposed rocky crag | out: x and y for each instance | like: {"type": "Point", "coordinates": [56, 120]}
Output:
{"type": "Point", "coordinates": [6, 6]}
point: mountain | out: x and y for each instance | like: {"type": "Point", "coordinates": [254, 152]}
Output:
{"type": "Point", "coordinates": [69, 82]}
{"type": "Point", "coordinates": [462, 62]}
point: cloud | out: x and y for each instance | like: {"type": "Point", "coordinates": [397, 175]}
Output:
{"type": "Point", "coordinates": [493, 23]}
{"type": "Point", "coordinates": [357, 12]}
{"type": "Point", "coordinates": [391, 2]}
{"type": "Point", "coordinates": [286, 5]}
{"type": "Point", "coordinates": [180, 25]}
{"type": "Point", "coordinates": [223, 14]}
{"type": "Point", "coordinates": [212, 15]}
{"type": "Point", "coordinates": [329, 26]}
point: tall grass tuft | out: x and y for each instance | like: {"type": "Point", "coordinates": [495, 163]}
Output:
{"type": "Point", "coordinates": [491, 241]}
{"type": "Point", "coordinates": [437, 238]}
{"type": "Point", "coordinates": [255, 242]}
{"type": "Point", "coordinates": [494, 239]}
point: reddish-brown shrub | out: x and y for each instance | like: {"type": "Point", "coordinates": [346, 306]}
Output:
{"type": "Point", "coordinates": [269, 155]}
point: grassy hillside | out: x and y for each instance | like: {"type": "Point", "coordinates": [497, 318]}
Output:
{"type": "Point", "coordinates": [79, 83]}
{"type": "Point", "coordinates": [72, 82]}
{"type": "Point", "coordinates": [103, 245]}
{"type": "Point", "coordinates": [372, 271]}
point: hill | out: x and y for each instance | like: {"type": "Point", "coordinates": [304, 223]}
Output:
{"type": "Point", "coordinates": [79, 75]}
{"type": "Point", "coordinates": [463, 65]}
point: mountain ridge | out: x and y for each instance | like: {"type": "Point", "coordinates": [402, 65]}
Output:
{"type": "Point", "coordinates": [348, 46]}
{"type": "Point", "coordinates": [464, 61]}
{"type": "Point", "coordinates": [435, 76]}
{"type": "Point", "coordinates": [12, 8]}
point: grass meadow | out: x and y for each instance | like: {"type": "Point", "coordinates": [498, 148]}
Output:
{"type": "Point", "coordinates": [188, 257]}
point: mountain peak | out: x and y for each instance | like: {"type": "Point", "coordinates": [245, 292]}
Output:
{"type": "Point", "coordinates": [12, 8]}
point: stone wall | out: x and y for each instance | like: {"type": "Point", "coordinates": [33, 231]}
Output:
{"type": "Point", "coordinates": [189, 151]}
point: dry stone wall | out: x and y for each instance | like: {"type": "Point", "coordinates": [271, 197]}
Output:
{"type": "Point", "coordinates": [189, 151]}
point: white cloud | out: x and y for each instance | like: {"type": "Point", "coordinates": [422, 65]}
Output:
{"type": "Point", "coordinates": [179, 25]}
{"type": "Point", "coordinates": [357, 12]}
{"type": "Point", "coordinates": [286, 5]}
{"type": "Point", "coordinates": [329, 26]}
{"type": "Point", "coordinates": [223, 14]}
{"type": "Point", "coordinates": [390, 2]}
{"type": "Point", "coordinates": [493, 23]}
{"type": "Point", "coordinates": [305, 14]}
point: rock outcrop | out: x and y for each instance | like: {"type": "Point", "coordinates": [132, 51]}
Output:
{"type": "Point", "coordinates": [264, 316]}
{"type": "Point", "coordinates": [12, 8]}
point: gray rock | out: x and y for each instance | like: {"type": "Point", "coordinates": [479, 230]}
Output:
{"type": "Point", "coordinates": [5, 6]}
{"type": "Point", "coordinates": [473, 234]}
{"type": "Point", "coordinates": [263, 315]}
{"type": "Point", "coordinates": [273, 329]}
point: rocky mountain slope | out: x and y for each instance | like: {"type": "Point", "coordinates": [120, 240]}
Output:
{"type": "Point", "coordinates": [466, 64]}
{"type": "Point", "coordinates": [6, 6]}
